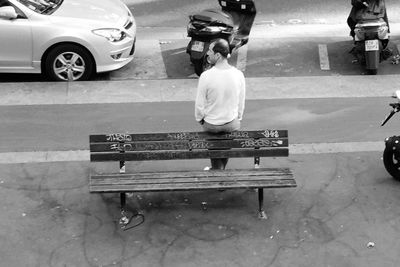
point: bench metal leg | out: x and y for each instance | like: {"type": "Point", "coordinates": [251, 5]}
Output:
{"type": "Point", "coordinates": [123, 201]}
{"type": "Point", "coordinates": [124, 219]}
{"type": "Point", "coordinates": [261, 212]}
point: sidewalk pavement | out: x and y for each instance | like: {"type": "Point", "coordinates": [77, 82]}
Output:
{"type": "Point", "coordinates": [166, 90]}
{"type": "Point", "coordinates": [344, 212]}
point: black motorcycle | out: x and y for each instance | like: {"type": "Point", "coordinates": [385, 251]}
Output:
{"type": "Point", "coordinates": [371, 34]}
{"type": "Point", "coordinates": [232, 23]}
{"type": "Point", "coordinates": [371, 40]}
{"type": "Point", "coordinates": [391, 154]}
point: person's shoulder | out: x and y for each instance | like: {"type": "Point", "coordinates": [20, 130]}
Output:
{"type": "Point", "coordinates": [207, 72]}
{"type": "Point", "coordinates": [237, 71]}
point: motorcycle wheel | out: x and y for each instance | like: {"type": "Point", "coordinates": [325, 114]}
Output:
{"type": "Point", "coordinates": [392, 165]}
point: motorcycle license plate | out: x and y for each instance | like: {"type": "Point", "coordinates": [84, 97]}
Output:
{"type": "Point", "coordinates": [198, 46]}
{"type": "Point", "coordinates": [371, 45]}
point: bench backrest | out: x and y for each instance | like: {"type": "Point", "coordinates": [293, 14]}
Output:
{"type": "Point", "coordinates": [188, 145]}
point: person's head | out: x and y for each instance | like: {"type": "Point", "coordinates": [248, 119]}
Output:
{"type": "Point", "coordinates": [218, 50]}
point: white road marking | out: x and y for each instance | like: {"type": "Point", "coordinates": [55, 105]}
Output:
{"type": "Point", "coordinates": [328, 148]}
{"type": "Point", "coordinates": [242, 58]}
{"type": "Point", "coordinates": [323, 57]}
{"type": "Point", "coordinates": [179, 52]}
{"type": "Point", "coordinates": [84, 155]}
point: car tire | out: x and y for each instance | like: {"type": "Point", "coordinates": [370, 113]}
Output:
{"type": "Point", "coordinates": [69, 62]}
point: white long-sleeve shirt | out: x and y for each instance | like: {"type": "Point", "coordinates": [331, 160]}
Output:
{"type": "Point", "coordinates": [220, 95]}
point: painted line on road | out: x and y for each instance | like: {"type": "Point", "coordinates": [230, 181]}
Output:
{"type": "Point", "coordinates": [328, 148]}
{"type": "Point", "coordinates": [84, 155]}
{"type": "Point", "coordinates": [323, 57]}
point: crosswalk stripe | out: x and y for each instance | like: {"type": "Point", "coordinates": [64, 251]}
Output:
{"type": "Point", "coordinates": [242, 58]}
{"type": "Point", "coordinates": [84, 155]}
{"type": "Point", "coordinates": [323, 57]}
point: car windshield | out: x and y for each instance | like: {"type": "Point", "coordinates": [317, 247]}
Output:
{"type": "Point", "coordinates": [42, 6]}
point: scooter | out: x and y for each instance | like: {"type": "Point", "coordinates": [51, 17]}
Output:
{"type": "Point", "coordinates": [391, 154]}
{"type": "Point", "coordinates": [232, 23]}
{"type": "Point", "coordinates": [371, 38]}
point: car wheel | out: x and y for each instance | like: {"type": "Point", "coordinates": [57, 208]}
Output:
{"type": "Point", "coordinates": [69, 63]}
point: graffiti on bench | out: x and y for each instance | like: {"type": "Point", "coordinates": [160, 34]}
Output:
{"type": "Point", "coordinates": [261, 143]}
{"type": "Point", "coordinates": [183, 136]}
{"type": "Point", "coordinates": [118, 137]}
{"type": "Point", "coordinates": [270, 133]}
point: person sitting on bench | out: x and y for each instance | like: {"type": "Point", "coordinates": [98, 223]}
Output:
{"type": "Point", "coordinates": [220, 96]}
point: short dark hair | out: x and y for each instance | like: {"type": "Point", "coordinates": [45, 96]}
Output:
{"type": "Point", "coordinates": [221, 46]}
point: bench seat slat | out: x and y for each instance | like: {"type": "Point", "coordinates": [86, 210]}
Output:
{"type": "Point", "coordinates": [156, 180]}
{"type": "Point", "coordinates": [178, 154]}
{"type": "Point", "coordinates": [164, 181]}
{"type": "Point", "coordinates": [246, 173]}
{"type": "Point", "coordinates": [193, 186]}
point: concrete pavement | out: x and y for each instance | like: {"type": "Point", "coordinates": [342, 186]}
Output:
{"type": "Point", "coordinates": [169, 90]}
{"type": "Point", "coordinates": [342, 203]}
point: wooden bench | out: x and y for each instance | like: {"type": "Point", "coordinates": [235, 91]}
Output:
{"type": "Point", "coordinates": [189, 145]}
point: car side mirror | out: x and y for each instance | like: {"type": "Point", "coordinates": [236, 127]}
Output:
{"type": "Point", "coordinates": [8, 12]}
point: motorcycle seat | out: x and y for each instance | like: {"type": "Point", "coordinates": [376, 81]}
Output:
{"type": "Point", "coordinates": [214, 17]}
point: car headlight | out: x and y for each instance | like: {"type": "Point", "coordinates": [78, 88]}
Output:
{"type": "Point", "coordinates": [112, 35]}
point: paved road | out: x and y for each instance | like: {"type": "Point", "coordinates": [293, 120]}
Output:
{"type": "Point", "coordinates": [281, 51]}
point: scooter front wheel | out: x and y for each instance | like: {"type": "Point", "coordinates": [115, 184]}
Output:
{"type": "Point", "coordinates": [372, 71]}
{"type": "Point", "coordinates": [392, 164]}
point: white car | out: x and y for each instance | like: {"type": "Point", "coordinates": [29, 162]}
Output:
{"type": "Point", "coordinates": [67, 40]}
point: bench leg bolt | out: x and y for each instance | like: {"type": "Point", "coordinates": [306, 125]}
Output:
{"type": "Point", "coordinates": [262, 215]}
{"type": "Point", "coordinates": [124, 219]}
